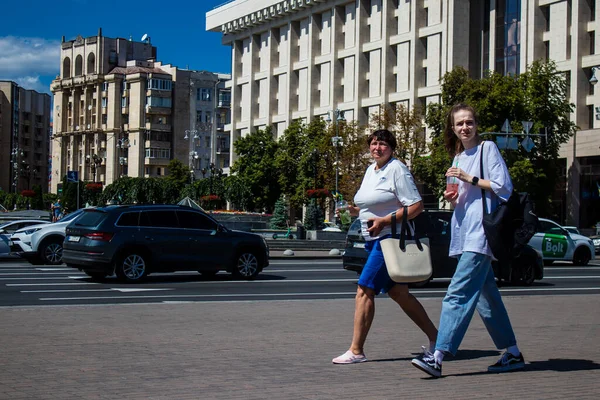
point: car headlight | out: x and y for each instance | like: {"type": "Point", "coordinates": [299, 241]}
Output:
{"type": "Point", "coordinates": [596, 242]}
{"type": "Point", "coordinates": [30, 231]}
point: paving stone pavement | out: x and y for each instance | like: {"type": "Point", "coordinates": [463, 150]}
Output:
{"type": "Point", "coordinates": [283, 350]}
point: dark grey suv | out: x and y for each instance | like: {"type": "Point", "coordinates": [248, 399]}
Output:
{"type": "Point", "coordinates": [134, 241]}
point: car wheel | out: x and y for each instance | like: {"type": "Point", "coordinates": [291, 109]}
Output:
{"type": "Point", "coordinates": [582, 256]}
{"type": "Point", "coordinates": [132, 267]}
{"type": "Point", "coordinates": [246, 266]}
{"type": "Point", "coordinates": [98, 276]}
{"type": "Point", "coordinates": [51, 252]}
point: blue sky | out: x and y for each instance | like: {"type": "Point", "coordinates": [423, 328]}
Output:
{"type": "Point", "coordinates": [30, 34]}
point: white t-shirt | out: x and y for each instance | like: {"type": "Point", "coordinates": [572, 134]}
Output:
{"type": "Point", "coordinates": [467, 227]}
{"type": "Point", "coordinates": [382, 192]}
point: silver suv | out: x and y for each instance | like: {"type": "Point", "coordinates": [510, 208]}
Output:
{"type": "Point", "coordinates": [134, 241]}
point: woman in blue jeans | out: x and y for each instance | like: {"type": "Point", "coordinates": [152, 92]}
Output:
{"type": "Point", "coordinates": [473, 285]}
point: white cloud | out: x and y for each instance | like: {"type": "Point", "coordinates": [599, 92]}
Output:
{"type": "Point", "coordinates": [32, 83]}
{"type": "Point", "coordinates": [26, 59]}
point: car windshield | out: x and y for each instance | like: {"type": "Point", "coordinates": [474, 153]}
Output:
{"type": "Point", "coordinates": [91, 218]}
{"type": "Point", "coordinates": [71, 216]}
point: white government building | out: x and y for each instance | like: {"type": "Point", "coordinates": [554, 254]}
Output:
{"type": "Point", "coordinates": [304, 58]}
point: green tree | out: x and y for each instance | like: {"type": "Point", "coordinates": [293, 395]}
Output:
{"type": "Point", "coordinates": [289, 161]}
{"type": "Point", "coordinates": [37, 202]}
{"type": "Point", "coordinates": [237, 192]}
{"type": "Point", "coordinates": [538, 95]}
{"type": "Point", "coordinates": [280, 217]}
{"type": "Point", "coordinates": [179, 175]}
{"type": "Point", "coordinates": [255, 166]}
{"type": "Point", "coordinates": [407, 126]}
{"type": "Point", "coordinates": [313, 219]}
{"type": "Point", "coordinates": [72, 195]}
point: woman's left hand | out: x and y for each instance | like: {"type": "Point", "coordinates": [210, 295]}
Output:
{"type": "Point", "coordinates": [459, 174]}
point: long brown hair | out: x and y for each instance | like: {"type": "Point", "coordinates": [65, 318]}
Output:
{"type": "Point", "coordinates": [452, 142]}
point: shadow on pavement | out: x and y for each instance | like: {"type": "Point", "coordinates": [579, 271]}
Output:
{"type": "Point", "coordinates": [553, 364]}
{"type": "Point", "coordinates": [562, 365]}
{"type": "Point", "coordinates": [461, 355]}
{"type": "Point", "coordinates": [472, 354]}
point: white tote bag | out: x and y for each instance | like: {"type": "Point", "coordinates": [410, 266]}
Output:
{"type": "Point", "coordinates": [407, 260]}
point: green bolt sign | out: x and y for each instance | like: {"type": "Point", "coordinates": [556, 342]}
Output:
{"type": "Point", "coordinates": [554, 246]}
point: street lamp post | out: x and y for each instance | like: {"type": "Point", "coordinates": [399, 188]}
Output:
{"type": "Point", "coordinates": [95, 161]}
{"type": "Point", "coordinates": [337, 142]}
{"type": "Point", "coordinates": [15, 153]}
{"type": "Point", "coordinates": [213, 170]}
{"type": "Point", "coordinates": [123, 144]}
{"type": "Point", "coordinates": [192, 136]}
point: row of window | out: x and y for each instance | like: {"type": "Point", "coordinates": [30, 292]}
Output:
{"type": "Point", "coordinates": [158, 153]}
{"type": "Point", "coordinates": [150, 101]}
{"type": "Point", "coordinates": [159, 84]}
{"type": "Point", "coordinates": [159, 101]}
{"type": "Point", "coordinates": [167, 219]}
{"type": "Point", "coordinates": [152, 83]}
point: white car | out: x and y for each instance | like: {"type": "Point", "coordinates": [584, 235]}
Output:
{"type": "Point", "coordinates": [557, 244]}
{"type": "Point", "coordinates": [8, 228]}
{"type": "Point", "coordinates": [43, 243]}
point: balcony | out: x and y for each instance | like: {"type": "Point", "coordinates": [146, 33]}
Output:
{"type": "Point", "coordinates": [158, 127]}
{"type": "Point", "coordinates": [159, 144]}
{"type": "Point", "coordinates": [156, 161]}
{"type": "Point", "coordinates": [223, 150]}
{"type": "Point", "coordinates": [158, 110]}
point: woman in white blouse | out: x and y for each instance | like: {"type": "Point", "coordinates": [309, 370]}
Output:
{"type": "Point", "coordinates": [473, 285]}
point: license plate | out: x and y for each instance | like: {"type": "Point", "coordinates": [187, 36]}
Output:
{"type": "Point", "coordinates": [358, 245]}
{"type": "Point", "coordinates": [73, 238]}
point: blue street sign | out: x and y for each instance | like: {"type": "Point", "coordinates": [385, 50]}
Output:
{"type": "Point", "coordinates": [72, 176]}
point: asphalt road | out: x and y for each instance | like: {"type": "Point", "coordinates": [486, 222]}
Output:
{"type": "Point", "coordinates": [23, 284]}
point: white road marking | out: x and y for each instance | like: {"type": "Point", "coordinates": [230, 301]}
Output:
{"type": "Point", "coordinates": [93, 290]}
{"type": "Point", "coordinates": [570, 277]}
{"type": "Point", "coordinates": [53, 284]}
{"type": "Point", "coordinates": [291, 294]}
{"type": "Point", "coordinates": [305, 261]}
{"type": "Point", "coordinates": [29, 273]}
{"type": "Point", "coordinates": [40, 279]}
{"type": "Point", "coordinates": [55, 269]}
{"type": "Point", "coordinates": [303, 270]}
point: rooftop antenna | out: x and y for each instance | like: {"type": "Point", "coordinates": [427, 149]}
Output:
{"type": "Point", "coordinates": [146, 38]}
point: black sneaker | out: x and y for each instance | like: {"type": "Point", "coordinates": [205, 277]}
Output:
{"type": "Point", "coordinates": [508, 362]}
{"type": "Point", "coordinates": [426, 363]}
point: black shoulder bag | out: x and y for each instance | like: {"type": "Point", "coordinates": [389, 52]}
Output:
{"type": "Point", "coordinates": [498, 225]}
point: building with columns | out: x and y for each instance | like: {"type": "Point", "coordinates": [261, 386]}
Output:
{"type": "Point", "coordinates": [24, 138]}
{"type": "Point", "coordinates": [303, 58]}
{"type": "Point", "coordinates": [119, 112]}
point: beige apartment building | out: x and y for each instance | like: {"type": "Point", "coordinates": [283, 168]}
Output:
{"type": "Point", "coordinates": [24, 138]}
{"type": "Point", "coordinates": [119, 112]}
{"type": "Point", "coordinates": [304, 58]}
